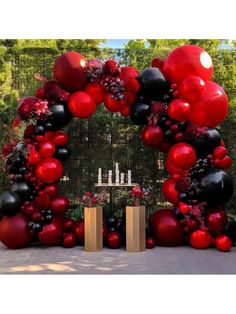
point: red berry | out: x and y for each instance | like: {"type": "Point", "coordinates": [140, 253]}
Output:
{"type": "Point", "coordinates": [39, 138]}
{"type": "Point", "coordinates": [29, 210]}
{"type": "Point", "coordinates": [168, 123]}
{"type": "Point", "coordinates": [225, 163]}
{"type": "Point", "coordinates": [174, 86]}
{"type": "Point", "coordinates": [37, 216]}
{"type": "Point", "coordinates": [184, 208]}
{"type": "Point", "coordinates": [179, 137]}
{"type": "Point", "coordinates": [216, 162]}
{"type": "Point", "coordinates": [174, 128]}
{"type": "Point", "coordinates": [220, 152]}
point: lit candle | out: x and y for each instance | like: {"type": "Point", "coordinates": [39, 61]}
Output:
{"type": "Point", "coordinates": [129, 177]}
{"type": "Point", "coordinates": [110, 177]}
{"type": "Point", "coordinates": [122, 178]}
{"type": "Point", "coordinates": [99, 176]}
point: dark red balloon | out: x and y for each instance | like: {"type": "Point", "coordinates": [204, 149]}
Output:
{"type": "Point", "coordinates": [69, 240]}
{"type": "Point", "coordinates": [150, 243]}
{"type": "Point", "coordinates": [47, 149]}
{"type": "Point", "coordinates": [68, 70]}
{"type": "Point", "coordinates": [114, 240]}
{"type": "Point", "coordinates": [182, 155]}
{"type": "Point", "coordinates": [81, 105]}
{"type": "Point", "coordinates": [112, 104]}
{"type": "Point", "coordinates": [96, 91]}
{"type": "Point", "coordinates": [186, 61]}
{"type": "Point", "coordinates": [169, 191]}
{"type": "Point", "coordinates": [166, 228]}
{"type": "Point", "coordinates": [176, 173]}
{"type": "Point", "coordinates": [152, 136]}
{"type": "Point", "coordinates": [14, 231]}
{"type": "Point", "coordinates": [68, 224]}
{"type": "Point", "coordinates": [192, 88]}
{"type": "Point", "coordinates": [179, 110]}
{"type": "Point", "coordinates": [61, 138]}
{"type": "Point", "coordinates": [223, 243]}
{"type": "Point", "coordinates": [51, 233]}
{"type": "Point", "coordinates": [127, 72]}
{"type": "Point", "coordinates": [59, 205]}
{"type": "Point", "coordinates": [216, 219]}
{"type": "Point", "coordinates": [212, 108]}
{"type": "Point", "coordinates": [51, 190]}
{"type": "Point", "coordinates": [79, 231]}
{"type": "Point", "coordinates": [49, 170]}
{"type": "Point", "coordinates": [200, 239]}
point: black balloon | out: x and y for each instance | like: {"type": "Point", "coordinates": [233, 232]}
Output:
{"type": "Point", "coordinates": [230, 229]}
{"type": "Point", "coordinates": [217, 187]}
{"type": "Point", "coordinates": [62, 153]}
{"type": "Point", "coordinates": [153, 85]}
{"type": "Point", "coordinates": [60, 116]}
{"type": "Point", "coordinates": [10, 204]}
{"type": "Point", "coordinates": [23, 189]}
{"type": "Point", "coordinates": [206, 143]}
{"type": "Point", "coordinates": [139, 113]}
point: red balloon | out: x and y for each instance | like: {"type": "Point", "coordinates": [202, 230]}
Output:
{"type": "Point", "coordinates": [128, 72]}
{"type": "Point", "coordinates": [68, 70]}
{"type": "Point", "coordinates": [225, 163]}
{"type": "Point", "coordinates": [125, 111]}
{"type": "Point", "coordinates": [34, 157]}
{"type": "Point", "coordinates": [186, 61]}
{"type": "Point", "coordinates": [14, 232]}
{"type": "Point", "coordinates": [96, 91]}
{"type": "Point", "coordinates": [179, 110]}
{"type": "Point", "coordinates": [200, 239]}
{"type": "Point", "coordinates": [69, 240]}
{"type": "Point", "coordinates": [157, 63]}
{"type": "Point", "coordinates": [51, 190]}
{"type": "Point", "coordinates": [68, 224]}
{"type": "Point", "coordinates": [184, 208]}
{"type": "Point", "coordinates": [166, 228]}
{"type": "Point", "coordinates": [182, 155]}
{"type": "Point", "coordinates": [49, 135]}
{"type": "Point", "coordinates": [49, 170]}
{"type": "Point", "coordinates": [104, 231]}
{"type": "Point", "coordinates": [47, 149]}
{"type": "Point", "coordinates": [150, 243]}
{"type": "Point", "coordinates": [216, 219]}
{"type": "Point", "coordinates": [79, 231]}
{"type": "Point", "coordinates": [223, 243]}
{"type": "Point", "coordinates": [212, 108]}
{"type": "Point", "coordinates": [192, 88]}
{"type": "Point", "coordinates": [59, 205]}
{"type": "Point", "coordinates": [169, 191]}
{"type": "Point", "coordinates": [81, 105]}
{"type": "Point", "coordinates": [51, 233]}
{"type": "Point", "coordinates": [176, 173]}
{"type": "Point", "coordinates": [152, 136]}
{"type": "Point", "coordinates": [61, 138]}
{"type": "Point", "coordinates": [113, 105]}
{"type": "Point", "coordinates": [114, 240]}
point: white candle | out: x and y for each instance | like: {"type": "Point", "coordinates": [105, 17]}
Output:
{"type": "Point", "coordinates": [117, 177]}
{"type": "Point", "coordinates": [99, 176]}
{"type": "Point", "coordinates": [122, 178]}
{"type": "Point", "coordinates": [110, 177]}
{"type": "Point", "coordinates": [117, 166]}
{"type": "Point", "coordinates": [129, 177]}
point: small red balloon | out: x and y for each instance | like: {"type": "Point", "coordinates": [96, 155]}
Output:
{"type": "Point", "coordinates": [200, 239]}
{"type": "Point", "coordinates": [51, 233]}
{"type": "Point", "coordinates": [150, 243]}
{"type": "Point", "coordinates": [157, 63]}
{"type": "Point", "coordinates": [220, 152]}
{"type": "Point", "coordinates": [79, 231]}
{"type": "Point", "coordinates": [225, 163]}
{"type": "Point", "coordinates": [96, 91]}
{"type": "Point", "coordinates": [69, 71]}
{"type": "Point", "coordinates": [81, 105]}
{"type": "Point", "coordinates": [113, 240]}
{"type": "Point", "coordinates": [39, 93]}
{"type": "Point", "coordinates": [34, 157]}
{"type": "Point", "coordinates": [152, 136]}
{"type": "Point", "coordinates": [14, 231]}
{"type": "Point", "coordinates": [59, 205]}
{"type": "Point", "coordinates": [192, 88]}
{"type": "Point", "coordinates": [68, 224]}
{"type": "Point", "coordinates": [223, 243]}
{"type": "Point", "coordinates": [69, 240]}
{"type": "Point", "coordinates": [184, 208]}
{"type": "Point", "coordinates": [127, 72]}
{"type": "Point", "coordinates": [185, 61]}
{"type": "Point", "coordinates": [49, 170]}
{"type": "Point", "coordinates": [61, 138]}
{"type": "Point", "coordinates": [182, 155]}
{"type": "Point", "coordinates": [51, 190]}
{"type": "Point", "coordinates": [125, 111]}
{"type": "Point", "coordinates": [112, 104]}
{"type": "Point", "coordinates": [47, 149]}
{"type": "Point", "coordinates": [179, 110]}
{"type": "Point", "coordinates": [216, 219]}
{"type": "Point", "coordinates": [169, 191]}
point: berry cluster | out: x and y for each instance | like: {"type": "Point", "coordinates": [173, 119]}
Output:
{"type": "Point", "coordinates": [115, 86]}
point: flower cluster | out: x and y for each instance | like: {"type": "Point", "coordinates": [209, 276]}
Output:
{"type": "Point", "coordinates": [137, 195]}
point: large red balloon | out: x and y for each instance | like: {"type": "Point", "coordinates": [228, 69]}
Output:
{"type": "Point", "coordinates": [176, 173]}
{"type": "Point", "coordinates": [47, 148]}
{"type": "Point", "coordinates": [152, 136]}
{"type": "Point", "coordinates": [68, 70]}
{"type": "Point", "coordinates": [128, 72]}
{"type": "Point", "coordinates": [212, 108]}
{"type": "Point", "coordinates": [14, 232]}
{"type": "Point", "coordinates": [216, 219]}
{"type": "Point", "coordinates": [182, 155]}
{"type": "Point", "coordinates": [169, 191]}
{"type": "Point", "coordinates": [51, 233]}
{"type": "Point", "coordinates": [49, 170]}
{"type": "Point", "coordinates": [179, 110]}
{"type": "Point", "coordinates": [81, 105]}
{"type": "Point", "coordinates": [96, 91]}
{"type": "Point", "coordinates": [192, 88]}
{"type": "Point", "coordinates": [200, 239]}
{"type": "Point", "coordinates": [186, 61]}
{"type": "Point", "coordinates": [166, 228]}
{"type": "Point", "coordinates": [59, 205]}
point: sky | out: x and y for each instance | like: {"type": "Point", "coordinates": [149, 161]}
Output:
{"type": "Point", "coordinates": [114, 43]}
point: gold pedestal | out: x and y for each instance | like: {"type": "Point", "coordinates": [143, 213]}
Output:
{"type": "Point", "coordinates": [135, 229]}
{"type": "Point", "coordinates": [93, 222]}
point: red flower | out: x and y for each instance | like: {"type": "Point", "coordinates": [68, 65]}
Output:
{"type": "Point", "coordinates": [87, 194]}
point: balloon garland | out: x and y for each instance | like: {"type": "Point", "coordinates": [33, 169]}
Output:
{"type": "Point", "coordinates": [179, 108]}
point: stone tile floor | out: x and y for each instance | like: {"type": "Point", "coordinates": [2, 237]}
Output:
{"type": "Point", "coordinates": [160, 260]}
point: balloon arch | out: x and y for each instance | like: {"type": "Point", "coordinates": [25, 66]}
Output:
{"type": "Point", "coordinates": [179, 107]}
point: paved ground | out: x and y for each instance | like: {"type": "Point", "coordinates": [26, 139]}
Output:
{"type": "Point", "coordinates": [160, 260]}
